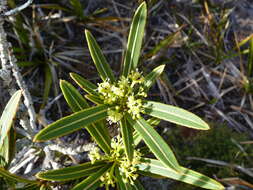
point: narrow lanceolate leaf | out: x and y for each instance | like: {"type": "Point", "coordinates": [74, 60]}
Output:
{"type": "Point", "coordinates": [12, 177]}
{"type": "Point", "coordinates": [45, 187]}
{"type": "Point", "coordinates": [137, 137]}
{"type": "Point", "coordinates": [77, 8]}
{"type": "Point", "coordinates": [47, 84]}
{"type": "Point", "coordinates": [94, 99]}
{"type": "Point", "coordinates": [72, 123]}
{"type": "Point", "coordinates": [152, 76]}
{"type": "Point", "coordinates": [250, 58]}
{"type": "Point", "coordinates": [153, 121]}
{"type": "Point", "coordinates": [7, 150]}
{"type": "Point", "coordinates": [167, 41]}
{"type": "Point", "coordinates": [127, 135]}
{"type": "Point", "coordinates": [4, 152]}
{"type": "Point", "coordinates": [8, 115]}
{"type": "Point", "coordinates": [72, 172]}
{"type": "Point", "coordinates": [86, 85]}
{"type": "Point", "coordinates": [135, 38]}
{"type": "Point", "coordinates": [29, 187]}
{"type": "Point", "coordinates": [90, 181]}
{"type": "Point", "coordinates": [77, 103]}
{"type": "Point", "coordinates": [186, 175]}
{"type": "Point", "coordinates": [155, 143]}
{"type": "Point", "coordinates": [74, 99]}
{"type": "Point", "coordinates": [175, 115]}
{"type": "Point", "coordinates": [99, 60]}
{"type": "Point", "coordinates": [101, 135]}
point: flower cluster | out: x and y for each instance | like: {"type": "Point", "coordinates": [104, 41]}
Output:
{"type": "Point", "coordinates": [94, 155]}
{"type": "Point", "coordinates": [127, 169]}
{"type": "Point", "coordinates": [125, 96]}
{"type": "Point", "coordinates": [107, 179]}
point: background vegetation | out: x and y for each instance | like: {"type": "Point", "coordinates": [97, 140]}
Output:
{"type": "Point", "coordinates": [206, 45]}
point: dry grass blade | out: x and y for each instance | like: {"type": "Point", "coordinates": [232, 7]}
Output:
{"type": "Point", "coordinates": [246, 171]}
{"type": "Point", "coordinates": [237, 181]}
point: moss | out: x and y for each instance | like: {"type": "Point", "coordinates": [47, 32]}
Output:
{"type": "Point", "coordinates": [219, 143]}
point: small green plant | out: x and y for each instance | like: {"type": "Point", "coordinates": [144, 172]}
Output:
{"type": "Point", "coordinates": [7, 140]}
{"type": "Point", "coordinates": [121, 101]}
{"type": "Point", "coordinates": [6, 122]}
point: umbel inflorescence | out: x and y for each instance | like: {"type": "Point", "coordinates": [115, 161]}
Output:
{"type": "Point", "coordinates": [125, 95]}
{"type": "Point", "coordinates": [126, 168]}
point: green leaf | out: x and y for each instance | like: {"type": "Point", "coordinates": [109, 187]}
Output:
{"type": "Point", "coordinates": [169, 40]}
{"type": "Point", "coordinates": [8, 115]}
{"type": "Point", "coordinates": [186, 175]}
{"type": "Point", "coordinates": [77, 7]}
{"type": "Point", "coordinates": [77, 103]}
{"type": "Point", "coordinates": [52, 6]}
{"type": "Point", "coordinates": [153, 121]}
{"type": "Point", "coordinates": [72, 172]}
{"type": "Point", "coordinates": [175, 115]}
{"type": "Point", "coordinates": [127, 136]}
{"type": "Point", "coordinates": [99, 60]}
{"type": "Point", "coordinates": [96, 185]}
{"type": "Point", "coordinates": [151, 77]}
{"type": "Point", "coordinates": [27, 63]}
{"type": "Point", "coordinates": [72, 123]}
{"type": "Point", "coordinates": [29, 187]}
{"type": "Point", "coordinates": [44, 187]}
{"type": "Point", "coordinates": [74, 99]}
{"type": "Point", "coordinates": [12, 177]}
{"type": "Point", "coordinates": [155, 143]}
{"type": "Point", "coordinates": [88, 183]}
{"type": "Point", "coordinates": [20, 30]}
{"type": "Point", "coordinates": [250, 58]}
{"type": "Point", "coordinates": [94, 99]}
{"type": "Point", "coordinates": [87, 86]}
{"type": "Point", "coordinates": [137, 137]}
{"type": "Point", "coordinates": [47, 85]}
{"type": "Point", "coordinates": [101, 135]}
{"type": "Point", "coordinates": [7, 150]}
{"type": "Point", "coordinates": [4, 152]}
{"type": "Point", "coordinates": [135, 38]}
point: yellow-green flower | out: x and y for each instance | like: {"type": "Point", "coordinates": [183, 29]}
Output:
{"type": "Point", "coordinates": [127, 169]}
{"type": "Point", "coordinates": [126, 95]}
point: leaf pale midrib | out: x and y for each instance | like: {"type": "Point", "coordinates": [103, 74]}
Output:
{"type": "Point", "coordinates": [150, 139]}
{"type": "Point", "coordinates": [87, 86]}
{"type": "Point", "coordinates": [127, 138]}
{"type": "Point", "coordinates": [158, 147]}
{"type": "Point", "coordinates": [74, 100]}
{"type": "Point", "coordinates": [8, 115]}
{"type": "Point", "coordinates": [97, 176]}
{"type": "Point", "coordinates": [151, 77]}
{"type": "Point", "coordinates": [195, 177]}
{"type": "Point", "coordinates": [60, 177]}
{"type": "Point", "coordinates": [52, 128]}
{"type": "Point", "coordinates": [151, 110]}
{"type": "Point", "coordinates": [101, 137]}
{"type": "Point", "coordinates": [98, 58]}
{"type": "Point", "coordinates": [133, 47]}
{"type": "Point", "coordinates": [135, 39]}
